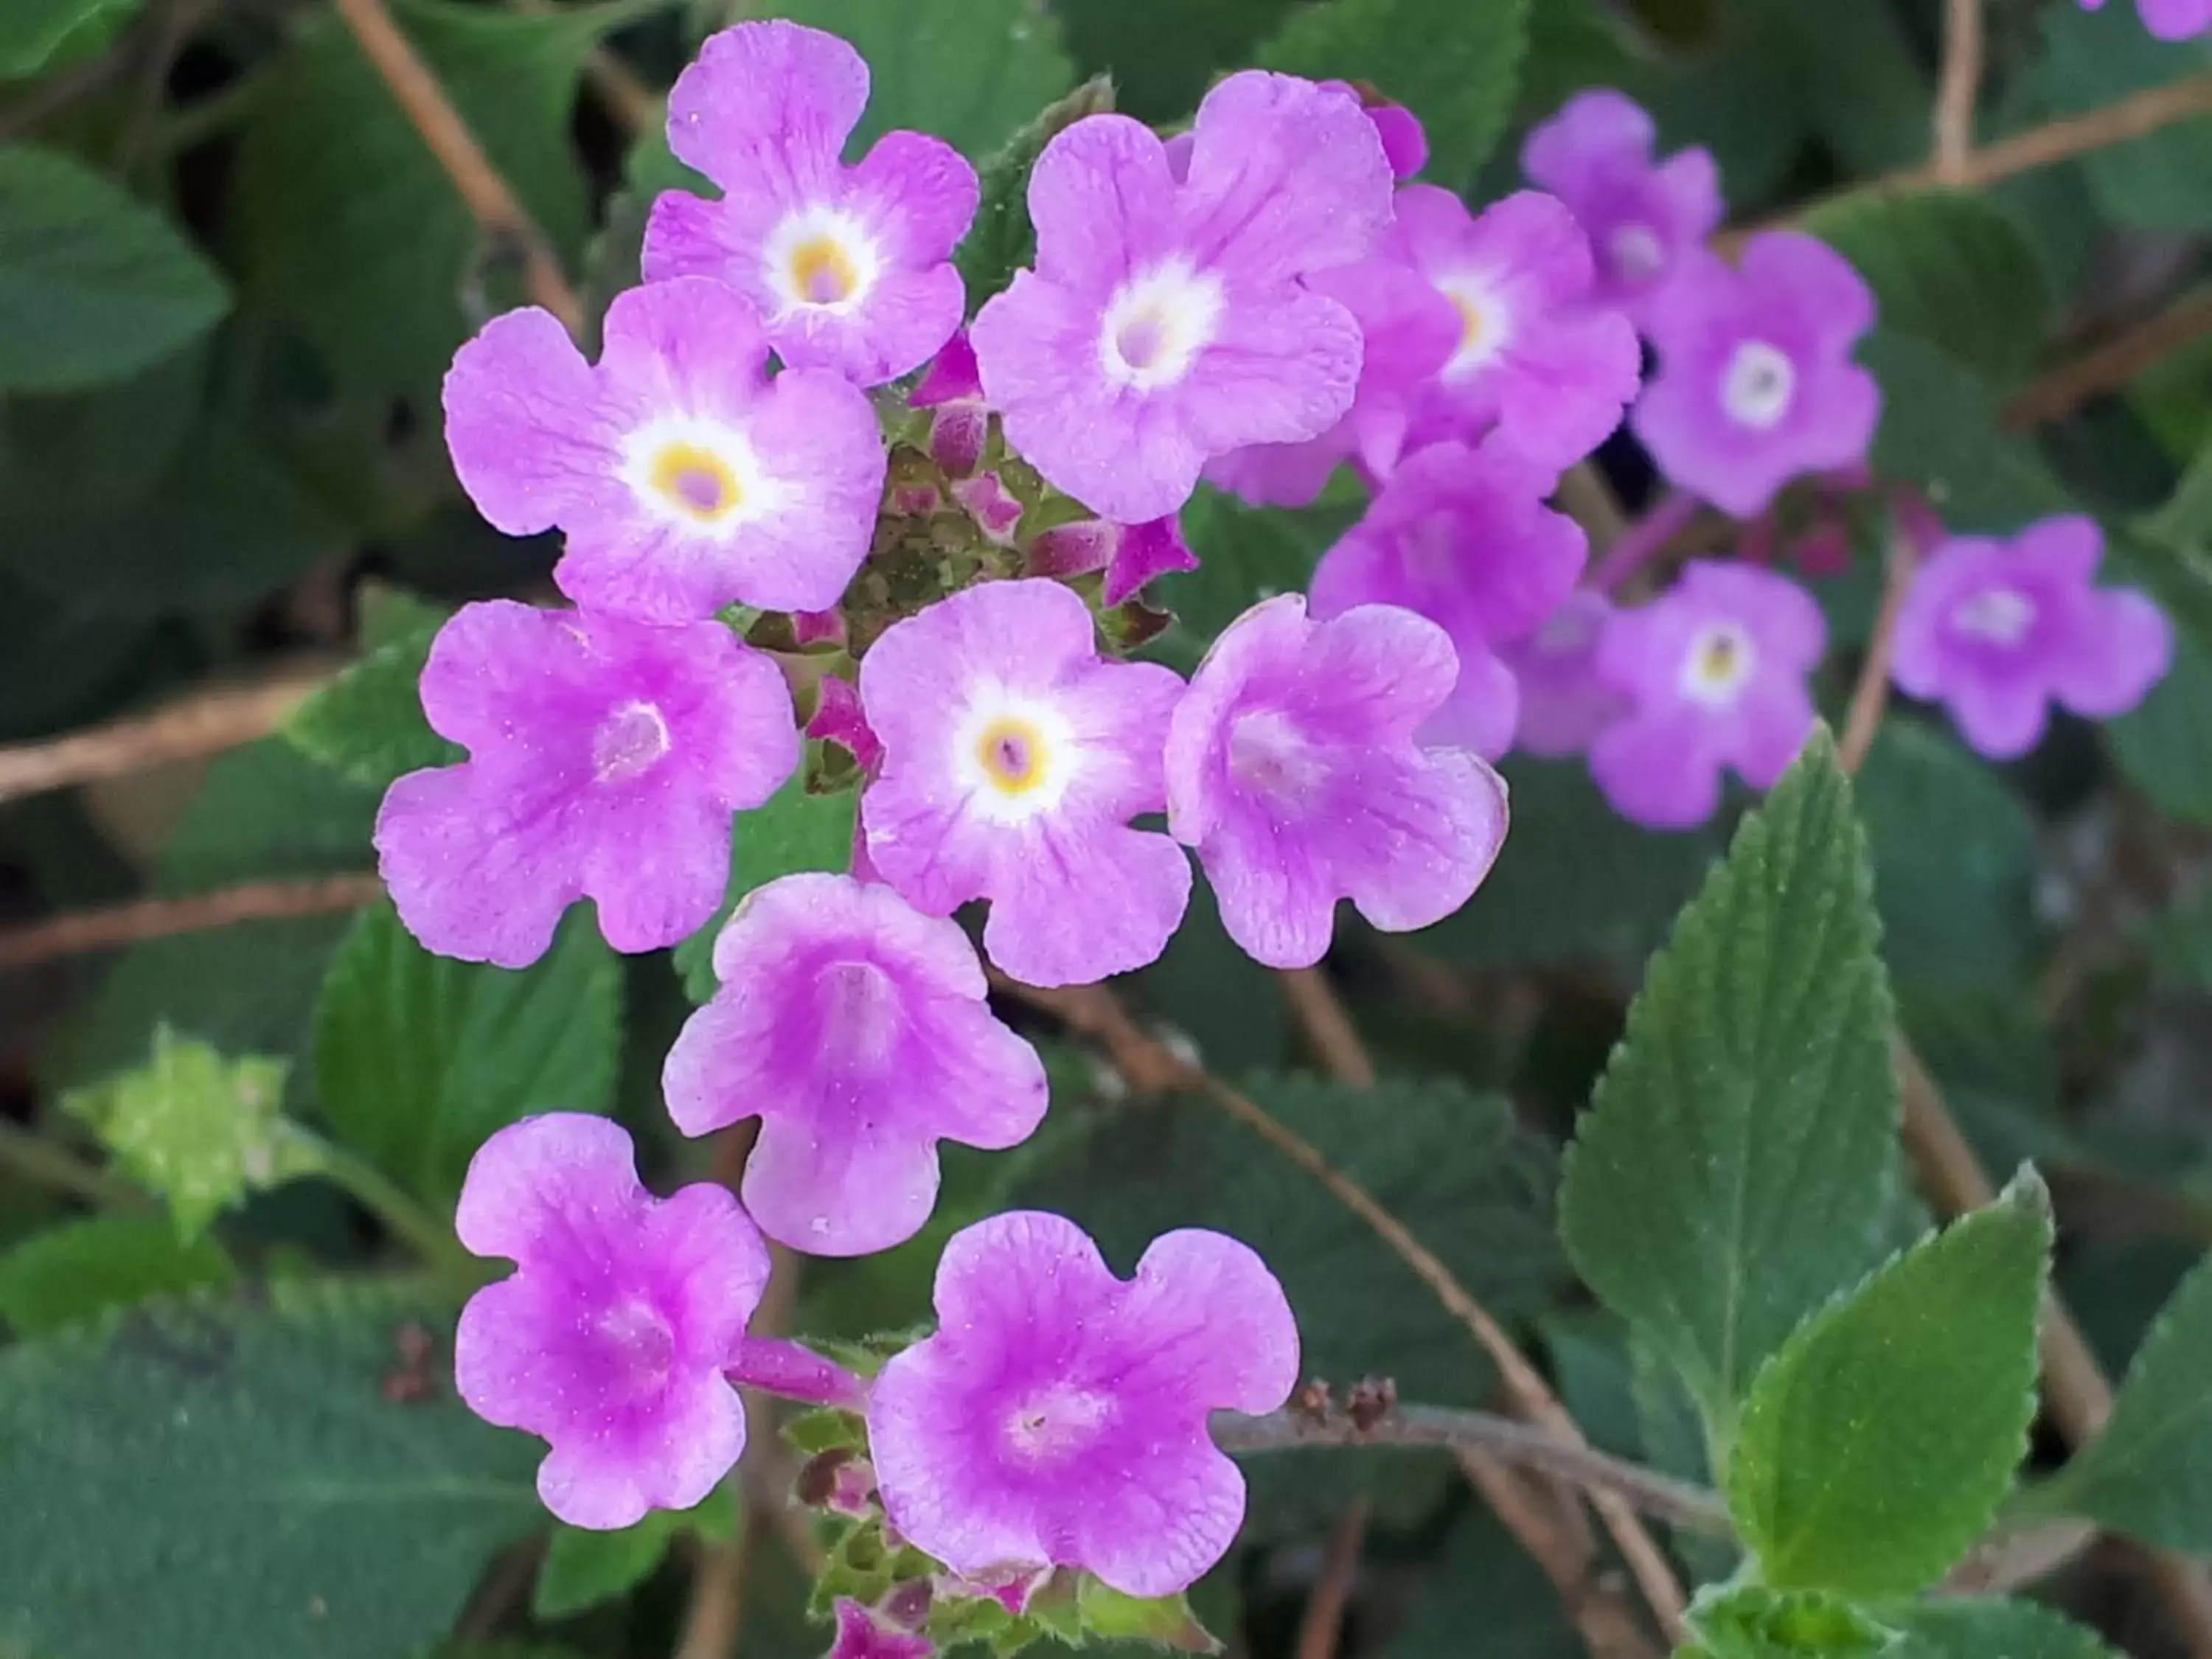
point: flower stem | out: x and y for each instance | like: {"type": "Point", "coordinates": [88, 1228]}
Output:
{"type": "Point", "coordinates": [402, 1214]}
{"type": "Point", "coordinates": [36, 1158]}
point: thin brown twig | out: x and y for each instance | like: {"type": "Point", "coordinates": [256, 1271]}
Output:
{"type": "Point", "coordinates": [634, 104]}
{"type": "Point", "coordinates": [1870, 691]}
{"type": "Point", "coordinates": [1961, 88]}
{"type": "Point", "coordinates": [1094, 1012]}
{"type": "Point", "coordinates": [1521, 1445]}
{"type": "Point", "coordinates": [202, 722]}
{"type": "Point", "coordinates": [1605, 1619]}
{"type": "Point", "coordinates": [497, 209]}
{"type": "Point", "coordinates": [83, 931]}
{"type": "Point", "coordinates": [1323, 1626]}
{"type": "Point", "coordinates": [2063, 389]}
{"type": "Point", "coordinates": [1327, 1026]}
{"type": "Point", "coordinates": [2132, 116]}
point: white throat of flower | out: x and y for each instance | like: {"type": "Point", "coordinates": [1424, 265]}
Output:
{"type": "Point", "coordinates": [1635, 253]}
{"type": "Point", "coordinates": [1760, 384]}
{"type": "Point", "coordinates": [2000, 616]}
{"type": "Point", "coordinates": [1719, 665]}
{"type": "Point", "coordinates": [1014, 755]}
{"type": "Point", "coordinates": [1485, 323]}
{"type": "Point", "coordinates": [698, 476]}
{"type": "Point", "coordinates": [820, 260]}
{"type": "Point", "coordinates": [1056, 1422]}
{"type": "Point", "coordinates": [628, 743]}
{"type": "Point", "coordinates": [1158, 323]}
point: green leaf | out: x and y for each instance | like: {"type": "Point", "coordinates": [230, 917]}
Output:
{"type": "Point", "coordinates": [346, 224]}
{"type": "Point", "coordinates": [1940, 430]}
{"type": "Point", "coordinates": [1728, 1176]}
{"type": "Point", "coordinates": [2149, 1472]}
{"type": "Point", "coordinates": [1454, 1167]}
{"type": "Point", "coordinates": [583, 1569]}
{"type": "Point", "coordinates": [418, 1058]}
{"type": "Point", "coordinates": [1751, 1621]}
{"type": "Point", "coordinates": [2164, 744]}
{"type": "Point", "coordinates": [1002, 241]}
{"type": "Point", "coordinates": [790, 832]}
{"type": "Point", "coordinates": [1456, 64]}
{"type": "Point", "coordinates": [2162, 180]}
{"type": "Point", "coordinates": [1573, 880]}
{"type": "Point", "coordinates": [1876, 1444]}
{"type": "Point", "coordinates": [1948, 267]}
{"type": "Point", "coordinates": [1246, 554]}
{"type": "Point", "coordinates": [1484, 1581]}
{"type": "Point", "coordinates": [1976, 1628]}
{"type": "Point", "coordinates": [93, 285]}
{"type": "Point", "coordinates": [205, 1481]}
{"type": "Point", "coordinates": [1121, 39]}
{"type": "Point", "coordinates": [971, 74]}
{"type": "Point", "coordinates": [1166, 1621]}
{"type": "Point", "coordinates": [201, 1130]}
{"type": "Point", "coordinates": [84, 1266]}
{"type": "Point", "coordinates": [34, 32]}
{"type": "Point", "coordinates": [1954, 861]}
{"type": "Point", "coordinates": [369, 723]}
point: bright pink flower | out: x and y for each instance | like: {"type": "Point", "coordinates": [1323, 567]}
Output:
{"type": "Point", "coordinates": [609, 1338]}
{"type": "Point", "coordinates": [1643, 219]}
{"type": "Point", "coordinates": [1292, 770]}
{"type": "Point", "coordinates": [1530, 355]}
{"type": "Point", "coordinates": [685, 477]}
{"type": "Point", "coordinates": [2169, 20]}
{"type": "Point", "coordinates": [1059, 1415]}
{"type": "Point", "coordinates": [856, 1031]}
{"type": "Point", "coordinates": [1998, 631]}
{"type": "Point", "coordinates": [1165, 322]}
{"type": "Point", "coordinates": [1462, 536]}
{"type": "Point", "coordinates": [1014, 759]}
{"type": "Point", "coordinates": [861, 1636]}
{"type": "Point", "coordinates": [850, 266]}
{"type": "Point", "coordinates": [1714, 672]}
{"type": "Point", "coordinates": [1756, 384]}
{"type": "Point", "coordinates": [1563, 703]}
{"type": "Point", "coordinates": [606, 761]}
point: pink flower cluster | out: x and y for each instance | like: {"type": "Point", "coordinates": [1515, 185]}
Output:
{"type": "Point", "coordinates": [735, 483]}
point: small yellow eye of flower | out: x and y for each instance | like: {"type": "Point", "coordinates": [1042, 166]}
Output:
{"type": "Point", "coordinates": [1013, 756]}
{"type": "Point", "coordinates": [696, 481]}
{"type": "Point", "coordinates": [1718, 661]}
{"type": "Point", "coordinates": [821, 272]}
{"type": "Point", "coordinates": [1472, 324]}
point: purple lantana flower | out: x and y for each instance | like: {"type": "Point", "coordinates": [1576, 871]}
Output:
{"type": "Point", "coordinates": [1165, 322]}
{"type": "Point", "coordinates": [2169, 20]}
{"type": "Point", "coordinates": [606, 761]}
{"type": "Point", "coordinates": [861, 1635]}
{"type": "Point", "coordinates": [1462, 536]}
{"type": "Point", "coordinates": [1756, 383]}
{"type": "Point", "coordinates": [960, 421]}
{"type": "Point", "coordinates": [856, 1031]}
{"type": "Point", "coordinates": [1998, 631]}
{"type": "Point", "coordinates": [1409, 331]}
{"type": "Point", "coordinates": [1292, 770]}
{"type": "Point", "coordinates": [850, 266]}
{"type": "Point", "coordinates": [1563, 703]}
{"type": "Point", "coordinates": [1131, 555]}
{"type": "Point", "coordinates": [1059, 1415]}
{"type": "Point", "coordinates": [1643, 219]}
{"type": "Point", "coordinates": [685, 477]}
{"type": "Point", "coordinates": [609, 1338]}
{"type": "Point", "coordinates": [1714, 674]}
{"type": "Point", "coordinates": [1529, 355]}
{"type": "Point", "coordinates": [1013, 761]}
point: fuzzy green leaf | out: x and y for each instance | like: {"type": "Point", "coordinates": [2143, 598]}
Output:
{"type": "Point", "coordinates": [1751, 1621]}
{"type": "Point", "coordinates": [1729, 1174]}
{"type": "Point", "coordinates": [1977, 1628]}
{"type": "Point", "coordinates": [2149, 1472]}
{"type": "Point", "coordinates": [1456, 64]}
{"type": "Point", "coordinates": [369, 723]}
{"type": "Point", "coordinates": [204, 1482]}
{"type": "Point", "coordinates": [1108, 1615]}
{"type": "Point", "coordinates": [34, 33]}
{"type": "Point", "coordinates": [85, 1266]}
{"type": "Point", "coordinates": [2095, 59]}
{"type": "Point", "coordinates": [1940, 430]}
{"type": "Point", "coordinates": [790, 832]}
{"type": "Point", "coordinates": [1002, 241]}
{"type": "Point", "coordinates": [94, 286]}
{"type": "Point", "coordinates": [201, 1130]}
{"type": "Point", "coordinates": [2164, 743]}
{"type": "Point", "coordinates": [1876, 1446]}
{"type": "Point", "coordinates": [1947, 266]}
{"type": "Point", "coordinates": [583, 1569]}
{"type": "Point", "coordinates": [418, 1058]}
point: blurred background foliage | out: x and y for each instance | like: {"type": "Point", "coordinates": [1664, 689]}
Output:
{"type": "Point", "coordinates": [231, 276]}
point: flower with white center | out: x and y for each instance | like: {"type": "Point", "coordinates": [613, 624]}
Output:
{"type": "Point", "coordinates": [1013, 759]}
